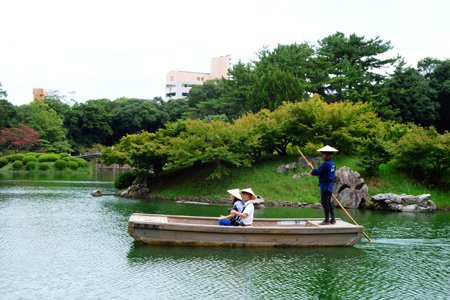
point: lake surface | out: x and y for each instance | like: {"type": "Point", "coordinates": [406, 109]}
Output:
{"type": "Point", "coordinates": [59, 242]}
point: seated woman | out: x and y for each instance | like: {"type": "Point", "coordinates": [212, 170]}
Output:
{"type": "Point", "coordinates": [246, 216]}
{"type": "Point", "coordinates": [236, 200]}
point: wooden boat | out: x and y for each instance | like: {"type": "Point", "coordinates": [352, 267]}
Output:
{"type": "Point", "coordinates": [205, 231]}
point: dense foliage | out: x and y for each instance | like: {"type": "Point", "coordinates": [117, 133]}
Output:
{"type": "Point", "coordinates": [346, 91]}
{"type": "Point", "coordinates": [19, 138]}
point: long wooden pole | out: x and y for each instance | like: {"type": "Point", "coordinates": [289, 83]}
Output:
{"type": "Point", "coordinates": [348, 215]}
{"type": "Point", "coordinates": [339, 203]}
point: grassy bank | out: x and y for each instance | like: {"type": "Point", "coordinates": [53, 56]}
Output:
{"type": "Point", "coordinates": [264, 179]}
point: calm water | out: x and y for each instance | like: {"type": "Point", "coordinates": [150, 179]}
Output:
{"type": "Point", "coordinates": [59, 242]}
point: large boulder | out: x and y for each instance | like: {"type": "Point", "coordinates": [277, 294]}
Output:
{"type": "Point", "coordinates": [350, 188]}
{"type": "Point", "coordinates": [402, 203]}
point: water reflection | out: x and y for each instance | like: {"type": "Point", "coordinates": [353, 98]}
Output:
{"type": "Point", "coordinates": [271, 272]}
{"type": "Point", "coordinates": [57, 241]}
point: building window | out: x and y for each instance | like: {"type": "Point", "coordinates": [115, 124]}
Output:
{"type": "Point", "coordinates": [184, 94]}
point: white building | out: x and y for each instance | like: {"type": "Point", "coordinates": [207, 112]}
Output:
{"type": "Point", "coordinates": [179, 83]}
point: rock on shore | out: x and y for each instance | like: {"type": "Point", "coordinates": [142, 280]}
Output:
{"type": "Point", "coordinates": [403, 203]}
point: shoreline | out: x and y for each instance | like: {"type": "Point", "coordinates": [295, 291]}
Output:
{"type": "Point", "coordinates": [266, 203]}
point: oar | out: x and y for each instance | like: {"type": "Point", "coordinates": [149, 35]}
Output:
{"type": "Point", "coordinates": [348, 215]}
{"type": "Point", "coordinates": [338, 202]}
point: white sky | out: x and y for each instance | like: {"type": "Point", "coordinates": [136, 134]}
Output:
{"type": "Point", "coordinates": [111, 49]}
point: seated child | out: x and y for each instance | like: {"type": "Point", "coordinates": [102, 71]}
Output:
{"type": "Point", "coordinates": [236, 200]}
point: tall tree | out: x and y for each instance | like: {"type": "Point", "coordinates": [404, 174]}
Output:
{"type": "Point", "coordinates": [411, 94]}
{"type": "Point", "coordinates": [129, 116]}
{"type": "Point", "coordinates": [295, 59]}
{"type": "Point", "coordinates": [89, 123]}
{"type": "Point", "coordinates": [438, 73]}
{"type": "Point", "coordinates": [46, 121]}
{"type": "Point", "coordinates": [8, 114]}
{"type": "Point", "coordinates": [353, 66]}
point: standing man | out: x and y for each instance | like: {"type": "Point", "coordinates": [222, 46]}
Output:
{"type": "Point", "coordinates": [326, 173]}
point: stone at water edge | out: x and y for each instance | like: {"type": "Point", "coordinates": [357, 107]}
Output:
{"type": "Point", "coordinates": [350, 188]}
{"type": "Point", "coordinates": [97, 193]}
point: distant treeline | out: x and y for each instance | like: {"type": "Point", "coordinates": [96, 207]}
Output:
{"type": "Point", "coordinates": [339, 68]}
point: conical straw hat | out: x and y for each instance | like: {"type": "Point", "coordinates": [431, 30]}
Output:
{"type": "Point", "coordinates": [235, 193]}
{"type": "Point", "coordinates": [327, 149]}
{"type": "Point", "coordinates": [248, 190]}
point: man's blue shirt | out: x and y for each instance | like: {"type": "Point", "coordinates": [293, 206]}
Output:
{"type": "Point", "coordinates": [326, 173]}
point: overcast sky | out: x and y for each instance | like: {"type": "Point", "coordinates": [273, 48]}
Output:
{"type": "Point", "coordinates": [92, 49]}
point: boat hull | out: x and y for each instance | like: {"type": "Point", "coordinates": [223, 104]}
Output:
{"type": "Point", "coordinates": [205, 231]}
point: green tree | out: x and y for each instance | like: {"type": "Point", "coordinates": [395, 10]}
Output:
{"type": "Point", "coordinates": [129, 116]}
{"type": "Point", "coordinates": [410, 93]}
{"type": "Point", "coordinates": [210, 100]}
{"type": "Point", "coordinates": [46, 121]}
{"type": "Point", "coordinates": [438, 73]}
{"type": "Point", "coordinates": [8, 114]}
{"type": "Point", "coordinates": [424, 152]}
{"type": "Point", "coordinates": [90, 123]}
{"type": "Point", "coordinates": [274, 86]}
{"type": "Point", "coordinates": [240, 88]}
{"type": "Point", "coordinates": [296, 60]}
{"type": "Point", "coordinates": [373, 153]}
{"type": "Point", "coordinates": [143, 151]}
{"type": "Point", "coordinates": [353, 67]}
{"type": "Point", "coordinates": [174, 108]}
{"type": "Point", "coordinates": [205, 142]}
{"type": "Point", "coordinates": [110, 156]}
{"type": "Point", "coordinates": [342, 124]}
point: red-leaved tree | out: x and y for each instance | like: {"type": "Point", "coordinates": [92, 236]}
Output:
{"type": "Point", "coordinates": [20, 137]}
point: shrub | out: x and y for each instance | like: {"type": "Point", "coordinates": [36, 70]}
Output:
{"type": "Point", "coordinates": [60, 164]}
{"type": "Point", "coordinates": [31, 165]}
{"type": "Point", "coordinates": [73, 165]}
{"type": "Point", "coordinates": [81, 162]}
{"type": "Point", "coordinates": [63, 155]}
{"type": "Point", "coordinates": [3, 162]}
{"type": "Point", "coordinates": [373, 153]}
{"type": "Point", "coordinates": [424, 152]}
{"type": "Point", "coordinates": [17, 165]}
{"type": "Point", "coordinates": [50, 157]}
{"type": "Point", "coordinates": [14, 157]}
{"type": "Point", "coordinates": [67, 158]}
{"type": "Point", "coordinates": [27, 158]}
{"type": "Point", "coordinates": [124, 180]}
{"type": "Point", "coordinates": [43, 166]}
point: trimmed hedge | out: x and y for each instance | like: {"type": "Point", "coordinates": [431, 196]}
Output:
{"type": "Point", "coordinates": [43, 166]}
{"type": "Point", "coordinates": [81, 162]}
{"type": "Point", "coordinates": [60, 164]}
{"type": "Point", "coordinates": [14, 157]}
{"type": "Point", "coordinates": [72, 165]}
{"type": "Point", "coordinates": [17, 165]}
{"type": "Point", "coordinates": [3, 162]}
{"type": "Point", "coordinates": [28, 158]}
{"type": "Point", "coordinates": [50, 157]}
{"type": "Point", "coordinates": [31, 165]}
